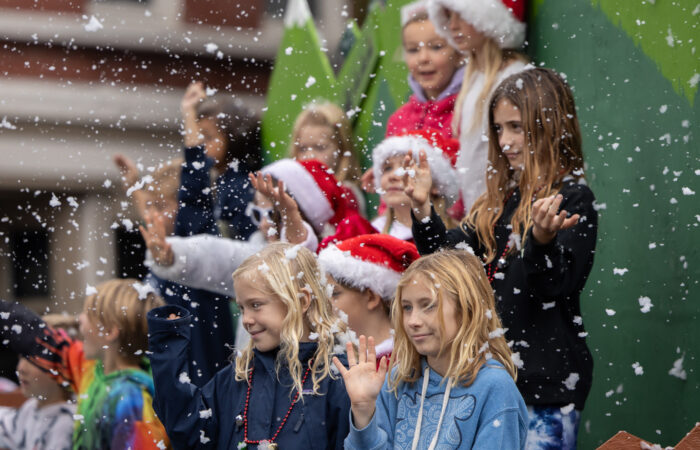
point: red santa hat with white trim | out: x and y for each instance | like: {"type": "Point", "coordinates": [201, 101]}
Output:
{"type": "Point", "coordinates": [370, 261]}
{"type": "Point", "coordinates": [321, 198]}
{"type": "Point", "coordinates": [501, 20]}
{"type": "Point", "coordinates": [440, 151]}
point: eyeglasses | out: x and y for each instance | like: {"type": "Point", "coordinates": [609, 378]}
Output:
{"type": "Point", "coordinates": [257, 214]}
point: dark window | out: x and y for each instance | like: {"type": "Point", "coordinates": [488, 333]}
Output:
{"type": "Point", "coordinates": [131, 251]}
{"type": "Point", "coordinates": [30, 262]}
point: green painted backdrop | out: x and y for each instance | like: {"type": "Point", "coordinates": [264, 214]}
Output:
{"type": "Point", "coordinates": [634, 67]}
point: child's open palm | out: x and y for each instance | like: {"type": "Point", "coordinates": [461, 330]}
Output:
{"type": "Point", "coordinates": [363, 380]}
{"type": "Point", "coordinates": [548, 220]}
{"type": "Point", "coordinates": [154, 235]}
{"type": "Point", "coordinates": [419, 183]}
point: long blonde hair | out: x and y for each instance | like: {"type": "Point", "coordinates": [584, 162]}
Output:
{"type": "Point", "coordinates": [457, 276]}
{"type": "Point", "coordinates": [326, 114]}
{"type": "Point", "coordinates": [287, 272]}
{"type": "Point", "coordinates": [490, 61]}
{"type": "Point", "coordinates": [552, 152]}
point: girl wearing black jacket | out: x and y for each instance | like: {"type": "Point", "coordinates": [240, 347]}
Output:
{"type": "Point", "coordinates": [535, 230]}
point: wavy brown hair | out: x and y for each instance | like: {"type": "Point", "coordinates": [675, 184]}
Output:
{"type": "Point", "coordinates": [552, 152]}
{"type": "Point", "coordinates": [291, 271]}
{"type": "Point", "coordinates": [459, 277]}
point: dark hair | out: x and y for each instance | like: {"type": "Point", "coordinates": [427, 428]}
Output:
{"type": "Point", "coordinates": [240, 126]}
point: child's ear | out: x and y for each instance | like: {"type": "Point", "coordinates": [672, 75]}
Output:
{"type": "Point", "coordinates": [305, 299]}
{"type": "Point", "coordinates": [112, 334]}
{"type": "Point", "coordinates": [374, 301]}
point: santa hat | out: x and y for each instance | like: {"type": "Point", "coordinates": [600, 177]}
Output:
{"type": "Point", "coordinates": [351, 226]}
{"type": "Point", "coordinates": [413, 9]}
{"type": "Point", "coordinates": [501, 20]}
{"type": "Point", "coordinates": [370, 261]}
{"type": "Point", "coordinates": [441, 153]}
{"type": "Point", "coordinates": [321, 198]}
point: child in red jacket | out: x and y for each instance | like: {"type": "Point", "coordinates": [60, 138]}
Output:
{"type": "Point", "coordinates": [435, 76]}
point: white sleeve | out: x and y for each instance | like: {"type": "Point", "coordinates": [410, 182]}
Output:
{"type": "Point", "coordinates": [204, 261]}
{"type": "Point", "coordinates": [9, 435]}
{"type": "Point", "coordinates": [311, 241]}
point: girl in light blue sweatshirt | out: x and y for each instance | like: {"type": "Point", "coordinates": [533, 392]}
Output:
{"type": "Point", "coordinates": [452, 374]}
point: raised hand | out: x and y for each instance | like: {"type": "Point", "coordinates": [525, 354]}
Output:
{"type": "Point", "coordinates": [154, 234]}
{"type": "Point", "coordinates": [419, 183]}
{"type": "Point", "coordinates": [367, 181]}
{"type": "Point", "coordinates": [194, 94]}
{"type": "Point", "coordinates": [284, 204]}
{"type": "Point", "coordinates": [363, 380]}
{"type": "Point", "coordinates": [128, 170]}
{"type": "Point", "coordinates": [547, 221]}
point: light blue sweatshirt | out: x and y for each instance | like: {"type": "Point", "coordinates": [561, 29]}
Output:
{"type": "Point", "coordinates": [489, 414]}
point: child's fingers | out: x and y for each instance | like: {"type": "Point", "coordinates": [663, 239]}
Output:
{"type": "Point", "coordinates": [423, 160]}
{"type": "Point", "coordinates": [362, 350]}
{"type": "Point", "coordinates": [338, 365]}
{"type": "Point", "coordinates": [371, 350]}
{"type": "Point", "coordinates": [383, 366]}
{"type": "Point", "coordinates": [351, 355]}
{"type": "Point", "coordinates": [145, 234]}
{"type": "Point", "coordinates": [570, 222]}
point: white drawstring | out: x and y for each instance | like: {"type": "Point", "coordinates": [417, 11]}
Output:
{"type": "Point", "coordinates": [445, 398]}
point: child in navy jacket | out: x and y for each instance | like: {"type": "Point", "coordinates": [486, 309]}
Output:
{"type": "Point", "coordinates": [280, 389]}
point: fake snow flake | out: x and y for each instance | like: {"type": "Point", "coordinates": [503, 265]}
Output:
{"type": "Point", "coordinates": [673, 201]}
{"type": "Point", "coordinates": [128, 224]}
{"type": "Point", "coordinates": [54, 202]}
{"type": "Point", "coordinates": [264, 268]}
{"type": "Point", "coordinates": [549, 262]}
{"type": "Point", "coordinates": [489, 314]}
{"type": "Point", "coordinates": [549, 305]}
{"type": "Point", "coordinates": [202, 438]}
{"type": "Point", "coordinates": [663, 109]}
{"type": "Point", "coordinates": [17, 328]}
{"type": "Point", "coordinates": [4, 315]}
{"type": "Point", "coordinates": [310, 82]}
{"type": "Point", "coordinates": [515, 357]}
{"type": "Point", "coordinates": [620, 272]}
{"type": "Point", "coordinates": [496, 423]}
{"type": "Point", "coordinates": [516, 291]}
{"type": "Point", "coordinates": [205, 414]}
{"type": "Point", "coordinates": [567, 409]}
{"type": "Point", "coordinates": [291, 253]}
{"type": "Point", "coordinates": [571, 381]}
{"type": "Point", "coordinates": [599, 206]}
{"type": "Point", "coordinates": [143, 290]}
{"type": "Point", "coordinates": [72, 202]}
{"type": "Point", "coordinates": [652, 245]}
{"type": "Point", "coordinates": [288, 51]}
{"type": "Point", "coordinates": [578, 320]}
{"type": "Point", "coordinates": [677, 369]}
{"type": "Point", "coordinates": [272, 231]}
{"type": "Point", "coordinates": [610, 312]}
{"type": "Point", "coordinates": [211, 47]}
{"type": "Point", "coordinates": [499, 276]}
{"type": "Point", "coordinates": [694, 80]}
{"type": "Point", "coordinates": [184, 378]}
{"type": "Point", "coordinates": [93, 25]}
{"type": "Point", "coordinates": [210, 91]}
{"type": "Point", "coordinates": [5, 124]}
{"type": "Point", "coordinates": [519, 83]}
{"type": "Point", "coordinates": [161, 445]}
{"type": "Point", "coordinates": [107, 184]}
{"type": "Point", "coordinates": [669, 38]}
{"type": "Point", "coordinates": [645, 303]}
{"type": "Point", "coordinates": [688, 191]}
{"type": "Point", "coordinates": [498, 332]}
{"type": "Point", "coordinates": [638, 369]}
{"type": "Point", "coordinates": [197, 165]}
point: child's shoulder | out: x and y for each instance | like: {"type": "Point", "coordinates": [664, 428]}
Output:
{"type": "Point", "coordinates": [494, 381]}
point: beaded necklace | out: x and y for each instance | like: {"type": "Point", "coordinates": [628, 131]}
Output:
{"type": "Point", "coordinates": [289, 411]}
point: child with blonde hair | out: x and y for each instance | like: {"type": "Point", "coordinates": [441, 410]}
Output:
{"type": "Point", "coordinates": [107, 369]}
{"type": "Point", "coordinates": [489, 35]}
{"type": "Point", "coordinates": [535, 230]}
{"type": "Point", "coordinates": [451, 381]}
{"type": "Point", "coordinates": [284, 372]}
{"type": "Point", "coordinates": [322, 132]}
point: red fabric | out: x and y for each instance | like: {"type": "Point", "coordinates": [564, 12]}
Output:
{"type": "Point", "coordinates": [382, 250]}
{"type": "Point", "coordinates": [351, 226]}
{"type": "Point", "coordinates": [416, 115]}
{"type": "Point", "coordinates": [517, 8]}
{"type": "Point", "coordinates": [341, 198]}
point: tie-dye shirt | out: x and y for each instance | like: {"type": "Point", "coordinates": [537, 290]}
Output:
{"type": "Point", "coordinates": [115, 410]}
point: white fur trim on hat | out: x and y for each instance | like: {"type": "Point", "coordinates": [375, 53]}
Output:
{"type": "Point", "coordinates": [303, 187]}
{"type": "Point", "coordinates": [411, 10]}
{"type": "Point", "coordinates": [358, 273]}
{"type": "Point", "coordinates": [491, 17]}
{"type": "Point", "coordinates": [444, 175]}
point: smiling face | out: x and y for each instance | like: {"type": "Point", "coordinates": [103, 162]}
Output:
{"type": "Point", "coordinates": [352, 302]}
{"type": "Point", "coordinates": [430, 60]}
{"type": "Point", "coordinates": [316, 142]}
{"type": "Point", "coordinates": [262, 314]}
{"type": "Point", "coordinates": [392, 185]}
{"type": "Point", "coordinates": [467, 38]}
{"type": "Point", "coordinates": [507, 122]}
{"type": "Point", "coordinates": [421, 321]}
